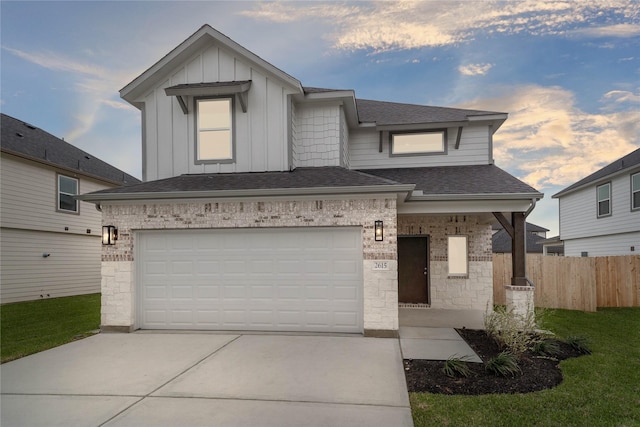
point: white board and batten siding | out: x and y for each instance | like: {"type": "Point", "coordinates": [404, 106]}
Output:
{"type": "Point", "coordinates": [31, 226]}
{"type": "Point", "coordinates": [583, 231]}
{"type": "Point", "coordinates": [473, 150]}
{"type": "Point", "coordinates": [261, 134]}
{"type": "Point", "coordinates": [280, 279]}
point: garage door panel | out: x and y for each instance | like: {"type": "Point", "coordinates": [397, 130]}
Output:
{"type": "Point", "coordinates": [306, 279]}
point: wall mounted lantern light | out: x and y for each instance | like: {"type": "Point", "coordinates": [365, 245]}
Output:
{"type": "Point", "coordinates": [109, 235]}
{"type": "Point", "coordinates": [379, 231]}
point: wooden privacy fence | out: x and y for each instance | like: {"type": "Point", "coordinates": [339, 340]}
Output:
{"type": "Point", "coordinates": [575, 283]}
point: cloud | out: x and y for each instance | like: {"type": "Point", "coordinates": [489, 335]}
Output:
{"type": "Point", "coordinates": [384, 26]}
{"type": "Point", "coordinates": [548, 141]}
{"type": "Point", "coordinates": [622, 96]}
{"type": "Point", "coordinates": [474, 69]}
{"type": "Point", "coordinates": [617, 30]}
{"type": "Point", "coordinates": [95, 85]}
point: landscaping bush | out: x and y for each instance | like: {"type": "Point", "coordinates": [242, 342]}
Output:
{"type": "Point", "coordinates": [503, 364]}
{"type": "Point", "coordinates": [456, 367]}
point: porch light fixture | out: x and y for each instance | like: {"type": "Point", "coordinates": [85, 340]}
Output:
{"type": "Point", "coordinates": [379, 231]}
{"type": "Point", "coordinates": [109, 235]}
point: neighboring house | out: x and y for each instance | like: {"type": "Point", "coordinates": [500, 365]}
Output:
{"type": "Point", "coordinates": [50, 241]}
{"type": "Point", "coordinates": [600, 214]}
{"type": "Point", "coordinates": [535, 238]}
{"type": "Point", "coordinates": [272, 206]}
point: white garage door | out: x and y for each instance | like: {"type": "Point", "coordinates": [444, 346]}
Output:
{"type": "Point", "coordinates": [284, 279]}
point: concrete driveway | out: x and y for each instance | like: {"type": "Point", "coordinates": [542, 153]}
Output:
{"type": "Point", "coordinates": [179, 379]}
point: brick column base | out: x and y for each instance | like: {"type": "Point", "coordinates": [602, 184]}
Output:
{"type": "Point", "coordinates": [520, 300]}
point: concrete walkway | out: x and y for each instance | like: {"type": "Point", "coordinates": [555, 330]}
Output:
{"type": "Point", "coordinates": [208, 379]}
{"type": "Point", "coordinates": [434, 344]}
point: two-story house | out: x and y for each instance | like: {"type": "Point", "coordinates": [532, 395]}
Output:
{"type": "Point", "coordinates": [600, 214]}
{"type": "Point", "coordinates": [272, 206]}
{"type": "Point", "coordinates": [50, 241]}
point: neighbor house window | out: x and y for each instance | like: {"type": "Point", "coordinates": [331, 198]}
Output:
{"type": "Point", "coordinates": [635, 191]}
{"type": "Point", "coordinates": [604, 199]}
{"type": "Point", "coordinates": [457, 253]}
{"type": "Point", "coordinates": [67, 189]}
{"type": "Point", "coordinates": [418, 142]}
{"type": "Point", "coordinates": [214, 129]}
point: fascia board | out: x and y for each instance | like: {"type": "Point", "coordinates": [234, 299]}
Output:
{"type": "Point", "coordinates": [464, 206]}
{"type": "Point", "coordinates": [419, 197]}
{"type": "Point", "coordinates": [347, 97]}
{"type": "Point", "coordinates": [60, 167]}
{"type": "Point", "coordinates": [419, 126]}
{"type": "Point", "coordinates": [629, 170]}
{"type": "Point", "coordinates": [91, 197]}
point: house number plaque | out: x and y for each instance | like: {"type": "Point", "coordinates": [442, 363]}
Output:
{"type": "Point", "coordinates": [381, 265]}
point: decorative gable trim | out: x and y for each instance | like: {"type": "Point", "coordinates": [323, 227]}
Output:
{"type": "Point", "coordinates": [239, 88]}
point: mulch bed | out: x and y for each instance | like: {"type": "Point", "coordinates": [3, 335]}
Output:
{"type": "Point", "coordinates": [538, 372]}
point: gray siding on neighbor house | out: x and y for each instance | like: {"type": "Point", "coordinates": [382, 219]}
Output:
{"type": "Point", "coordinates": [473, 150]}
{"type": "Point", "coordinates": [578, 211]}
{"type": "Point", "coordinates": [611, 245]}
{"type": "Point", "coordinates": [31, 226]}
{"type": "Point", "coordinates": [29, 199]}
{"type": "Point", "coordinates": [261, 133]}
{"type": "Point", "coordinates": [72, 268]}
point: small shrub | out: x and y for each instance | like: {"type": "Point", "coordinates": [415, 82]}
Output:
{"type": "Point", "coordinates": [580, 344]}
{"type": "Point", "coordinates": [511, 331]}
{"type": "Point", "coordinates": [503, 364]}
{"type": "Point", "coordinates": [546, 347]}
{"type": "Point", "coordinates": [456, 367]}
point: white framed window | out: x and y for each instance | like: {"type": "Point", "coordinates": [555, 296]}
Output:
{"type": "Point", "coordinates": [419, 143]}
{"type": "Point", "coordinates": [458, 255]}
{"type": "Point", "coordinates": [603, 194]}
{"type": "Point", "coordinates": [214, 130]}
{"type": "Point", "coordinates": [635, 191]}
{"type": "Point", "coordinates": [67, 189]}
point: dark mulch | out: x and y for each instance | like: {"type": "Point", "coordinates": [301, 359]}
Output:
{"type": "Point", "coordinates": [538, 372]}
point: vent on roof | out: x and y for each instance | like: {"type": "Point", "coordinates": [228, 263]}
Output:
{"type": "Point", "coordinates": [87, 157]}
{"type": "Point", "coordinates": [30, 126]}
{"type": "Point", "coordinates": [19, 135]}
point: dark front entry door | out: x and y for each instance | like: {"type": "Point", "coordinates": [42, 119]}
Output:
{"type": "Point", "coordinates": [413, 269]}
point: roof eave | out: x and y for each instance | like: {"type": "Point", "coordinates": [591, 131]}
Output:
{"type": "Point", "coordinates": [347, 97]}
{"type": "Point", "coordinates": [600, 180]}
{"type": "Point", "coordinates": [268, 192]}
{"type": "Point", "coordinates": [485, 196]}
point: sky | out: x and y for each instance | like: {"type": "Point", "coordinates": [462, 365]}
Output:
{"type": "Point", "coordinates": [567, 72]}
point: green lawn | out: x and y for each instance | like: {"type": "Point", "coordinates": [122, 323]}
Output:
{"type": "Point", "coordinates": [33, 326]}
{"type": "Point", "coordinates": [602, 389]}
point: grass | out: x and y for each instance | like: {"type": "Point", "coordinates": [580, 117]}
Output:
{"type": "Point", "coordinates": [33, 326]}
{"type": "Point", "coordinates": [601, 389]}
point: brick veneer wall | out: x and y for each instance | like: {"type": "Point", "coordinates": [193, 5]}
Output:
{"type": "Point", "coordinates": [380, 292]}
{"type": "Point", "coordinates": [472, 292]}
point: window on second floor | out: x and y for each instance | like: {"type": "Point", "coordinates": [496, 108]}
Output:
{"type": "Point", "coordinates": [67, 189]}
{"type": "Point", "coordinates": [214, 126]}
{"type": "Point", "coordinates": [432, 142]}
{"type": "Point", "coordinates": [604, 199]}
{"type": "Point", "coordinates": [635, 191]}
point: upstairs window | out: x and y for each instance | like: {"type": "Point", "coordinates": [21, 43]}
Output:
{"type": "Point", "coordinates": [635, 191]}
{"type": "Point", "coordinates": [214, 130]}
{"type": "Point", "coordinates": [433, 142]}
{"type": "Point", "coordinates": [604, 199]}
{"type": "Point", "coordinates": [67, 189]}
{"type": "Point", "coordinates": [457, 254]}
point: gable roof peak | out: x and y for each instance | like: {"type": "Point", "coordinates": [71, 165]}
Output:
{"type": "Point", "coordinates": [205, 35]}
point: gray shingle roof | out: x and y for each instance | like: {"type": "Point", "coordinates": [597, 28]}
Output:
{"type": "Point", "coordinates": [630, 160]}
{"type": "Point", "coordinates": [316, 177]}
{"type": "Point", "coordinates": [501, 243]}
{"type": "Point", "coordinates": [530, 227]}
{"type": "Point", "coordinates": [452, 180]}
{"type": "Point", "coordinates": [393, 113]}
{"type": "Point", "coordinates": [22, 138]}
